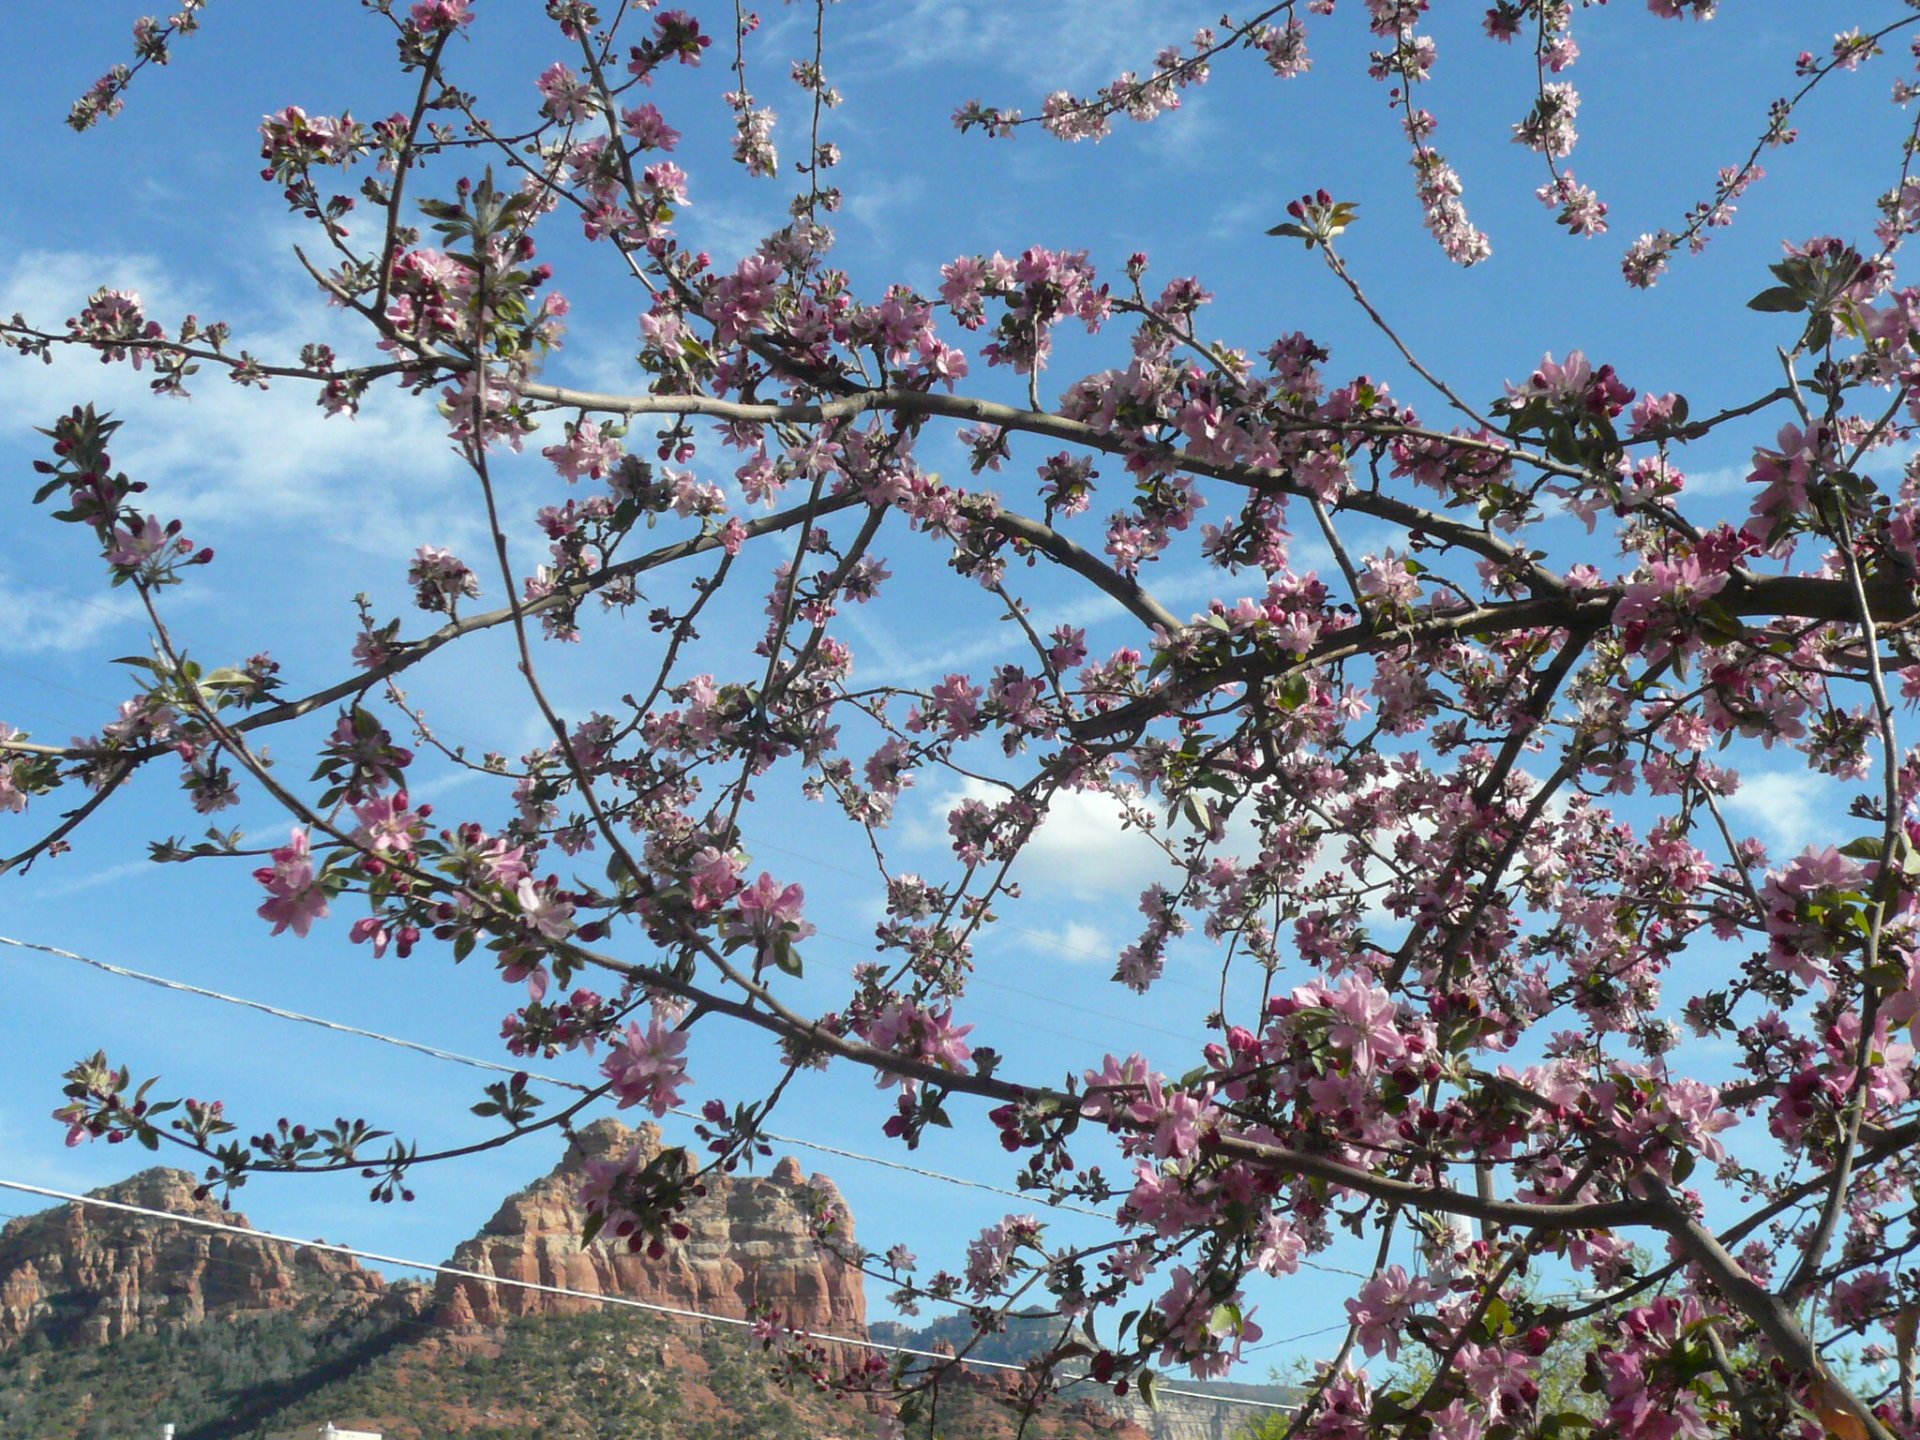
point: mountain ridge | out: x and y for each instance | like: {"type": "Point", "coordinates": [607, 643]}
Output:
{"type": "Point", "coordinates": [111, 1322]}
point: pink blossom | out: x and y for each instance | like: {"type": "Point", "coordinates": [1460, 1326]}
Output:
{"type": "Point", "coordinates": [1203, 1329]}
{"type": "Point", "coordinates": [766, 916]}
{"type": "Point", "coordinates": [434, 16]}
{"type": "Point", "coordinates": [587, 452]}
{"type": "Point", "coordinates": [1363, 1024]}
{"type": "Point", "coordinates": [927, 1036]}
{"type": "Point", "coordinates": [649, 128]}
{"type": "Point", "coordinates": [647, 1067]}
{"type": "Point", "coordinates": [13, 799]}
{"type": "Point", "coordinates": [295, 897]}
{"type": "Point", "coordinates": [713, 878]}
{"type": "Point", "coordinates": [1381, 1309]}
{"type": "Point", "coordinates": [546, 910]}
{"type": "Point", "coordinates": [387, 825]}
{"type": "Point", "coordinates": [569, 96]}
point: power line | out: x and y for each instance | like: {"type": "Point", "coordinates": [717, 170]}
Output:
{"type": "Point", "coordinates": [474, 1061]}
{"type": "Point", "coordinates": [1295, 1339]}
{"type": "Point", "coordinates": [628, 1302]}
{"type": "Point", "coordinates": [183, 987]}
{"type": "Point", "coordinates": [1053, 941]}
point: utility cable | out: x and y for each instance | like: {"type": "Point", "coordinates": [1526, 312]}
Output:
{"type": "Point", "coordinates": [454, 1057]}
{"type": "Point", "coordinates": [627, 1302]}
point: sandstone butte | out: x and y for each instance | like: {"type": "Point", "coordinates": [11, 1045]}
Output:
{"type": "Point", "coordinates": [91, 1276]}
{"type": "Point", "coordinates": [750, 1244]}
{"type": "Point", "coordinates": [81, 1276]}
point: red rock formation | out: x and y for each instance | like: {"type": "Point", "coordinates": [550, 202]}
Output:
{"type": "Point", "coordinates": [750, 1244]}
{"type": "Point", "coordinates": [88, 1276]}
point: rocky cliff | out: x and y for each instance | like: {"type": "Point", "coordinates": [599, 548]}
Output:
{"type": "Point", "coordinates": [120, 1313]}
{"type": "Point", "coordinates": [86, 1276]}
{"type": "Point", "coordinates": [750, 1243]}
{"type": "Point", "coordinates": [1182, 1417]}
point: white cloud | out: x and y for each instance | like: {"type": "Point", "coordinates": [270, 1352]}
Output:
{"type": "Point", "coordinates": [1083, 850]}
{"type": "Point", "coordinates": [879, 203]}
{"type": "Point", "coordinates": [1179, 138]}
{"type": "Point", "coordinates": [121, 874]}
{"type": "Point", "coordinates": [42, 621]}
{"type": "Point", "coordinates": [1792, 808]}
{"type": "Point", "coordinates": [237, 458]}
{"type": "Point", "coordinates": [1071, 43]}
{"type": "Point", "coordinates": [729, 228]}
{"type": "Point", "coordinates": [1718, 480]}
{"type": "Point", "coordinates": [1733, 479]}
{"type": "Point", "coordinates": [1077, 941]}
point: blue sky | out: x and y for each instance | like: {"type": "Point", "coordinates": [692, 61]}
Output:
{"type": "Point", "coordinates": [166, 200]}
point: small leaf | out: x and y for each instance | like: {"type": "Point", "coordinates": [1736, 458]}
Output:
{"type": "Point", "coordinates": [786, 958]}
{"type": "Point", "coordinates": [1779, 300]}
{"type": "Point", "coordinates": [1719, 623]}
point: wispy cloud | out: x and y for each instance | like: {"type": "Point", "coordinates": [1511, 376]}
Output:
{"type": "Point", "coordinates": [1083, 850]}
{"type": "Point", "coordinates": [1073, 43]}
{"type": "Point", "coordinates": [1179, 138]}
{"type": "Point", "coordinates": [881, 202]}
{"type": "Point", "coordinates": [44, 621]}
{"type": "Point", "coordinates": [730, 228]}
{"type": "Point", "coordinates": [230, 456]}
{"type": "Point", "coordinates": [1791, 808]}
{"type": "Point", "coordinates": [1731, 479]}
{"type": "Point", "coordinates": [121, 874]}
{"type": "Point", "coordinates": [1075, 940]}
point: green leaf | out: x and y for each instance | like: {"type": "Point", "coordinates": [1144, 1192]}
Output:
{"type": "Point", "coordinates": [1719, 623]}
{"type": "Point", "coordinates": [1148, 1383]}
{"type": "Point", "coordinates": [1498, 1318]}
{"type": "Point", "coordinates": [786, 957]}
{"type": "Point", "coordinates": [1563, 1421]}
{"type": "Point", "coordinates": [1886, 976]}
{"type": "Point", "coordinates": [591, 1229]}
{"type": "Point", "coordinates": [1779, 300]}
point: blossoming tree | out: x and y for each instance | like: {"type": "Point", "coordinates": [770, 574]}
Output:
{"type": "Point", "coordinates": [1459, 805]}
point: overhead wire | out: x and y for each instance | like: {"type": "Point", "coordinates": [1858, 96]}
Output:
{"type": "Point", "coordinates": [455, 1057]}
{"type": "Point", "coordinates": [436, 1052]}
{"type": "Point", "coordinates": [1051, 1029]}
{"type": "Point", "coordinates": [1051, 941]}
{"type": "Point", "coordinates": [621, 1301]}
